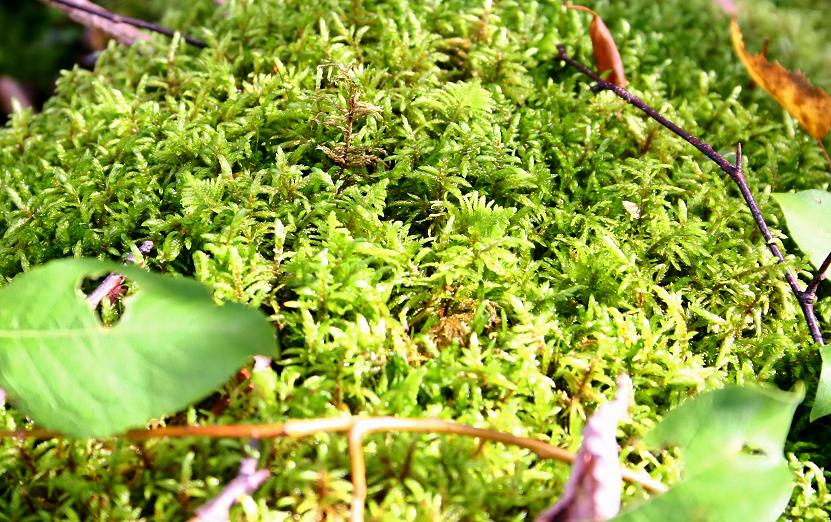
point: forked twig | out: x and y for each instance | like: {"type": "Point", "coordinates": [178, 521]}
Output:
{"type": "Point", "coordinates": [356, 429]}
{"type": "Point", "coordinates": [736, 173]}
{"type": "Point", "coordinates": [811, 289]}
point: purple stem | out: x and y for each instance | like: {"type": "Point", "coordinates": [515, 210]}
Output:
{"type": "Point", "coordinates": [247, 481]}
{"type": "Point", "coordinates": [103, 290]}
{"type": "Point", "coordinates": [113, 280]}
{"type": "Point", "coordinates": [811, 290]}
{"type": "Point", "coordinates": [805, 299]}
{"type": "Point", "coordinates": [129, 20]}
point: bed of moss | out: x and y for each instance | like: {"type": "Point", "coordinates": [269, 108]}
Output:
{"type": "Point", "coordinates": [431, 209]}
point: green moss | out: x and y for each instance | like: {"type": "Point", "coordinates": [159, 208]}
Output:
{"type": "Point", "coordinates": [431, 208]}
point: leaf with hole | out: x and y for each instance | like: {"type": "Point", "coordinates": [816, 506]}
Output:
{"type": "Point", "coordinates": [808, 214]}
{"type": "Point", "coordinates": [731, 443]}
{"type": "Point", "coordinates": [171, 347]}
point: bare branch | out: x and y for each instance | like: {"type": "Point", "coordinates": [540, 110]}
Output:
{"type": "Point", "coordinates": [734, 171]}
{"type": "Point", "coordinates": [358, 462]}
{"type": "Point", "coordinates": [122, 28]}
{"type": "Point", "coordinates": [306, 427]}
{"type": "Point", "coordinates": [811, 290]}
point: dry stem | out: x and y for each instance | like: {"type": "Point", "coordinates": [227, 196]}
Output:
{"type": "Point", "coordinates": [356, 429]}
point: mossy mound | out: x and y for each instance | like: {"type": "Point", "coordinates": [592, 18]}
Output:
{"type": "Point", "coordinates": [434, 212]}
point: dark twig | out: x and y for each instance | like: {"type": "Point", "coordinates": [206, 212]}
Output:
{"type": "Point", "coordinates": [806, 303]}
{"type": "Point", "coordinates": [113, 281]}
{"type": "Point", "coordinates": [129, 20]}
{"type": "Point", "coordinates": [736, 173]}
{"type": "Point", "coordinates": [811, 289]}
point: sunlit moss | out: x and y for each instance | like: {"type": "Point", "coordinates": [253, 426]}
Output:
{"type": "Point", "coordinates": [439, 218]}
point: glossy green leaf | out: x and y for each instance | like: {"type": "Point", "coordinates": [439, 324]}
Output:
{"type": "Point", "coordinates": [808, 214]}
{"type": "Point", "coordinates": [731, 442]}
{"type": "Point", "coordinates": [172, 346]}
{"type": "Point", "coordinates": [822, 401]}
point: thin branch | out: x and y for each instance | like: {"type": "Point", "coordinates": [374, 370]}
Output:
{"type": "Point", "coordinates": [734, 171]}
{"type": "Point", "coordinates": [627, 96]}
{"type": "Point", "coordinates": [110, 283]}
{"type": "Point", "coordinates": [811, 290]}
{"type": "Point", "coordinates": [358, 463]}
{"type": "Point", "coordinates": [82, 12]}
{"type": "Point", "coordinates": [300, 428]}
{"type": "Point", "coordinates": [129, 20]}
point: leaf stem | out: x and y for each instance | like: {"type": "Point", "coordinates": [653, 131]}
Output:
{"type": "Point", "coordinates": [736, 173]}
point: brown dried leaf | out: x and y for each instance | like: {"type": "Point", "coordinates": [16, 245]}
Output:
{"type": "Point", "coordinates": [808, 104]}
{"type": "Point", "coordinates": [593, 489]}
{"type": "Point", "coordinates": [606, 55]}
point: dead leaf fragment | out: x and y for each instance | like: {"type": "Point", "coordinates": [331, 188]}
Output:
{"type": "Point", "coordinates": [808, 104]}
{"type": "Point", "coordinates": [593, 489]}
{"type": "Point", "coordinates": [606, 55]}
{"type": "Point", "coordinates": [633, 209]}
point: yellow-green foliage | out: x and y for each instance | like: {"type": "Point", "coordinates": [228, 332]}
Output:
{"type": "Point", "coordinates": [431, 208]}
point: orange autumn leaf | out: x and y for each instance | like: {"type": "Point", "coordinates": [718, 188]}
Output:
{"type": "Point", "coordinates": [606, 55]}
{"type": "Point", "coordinates": [808, 104]}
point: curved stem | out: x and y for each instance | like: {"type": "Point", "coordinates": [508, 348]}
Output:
{"type": "Point", "coordinates": [306, 427]}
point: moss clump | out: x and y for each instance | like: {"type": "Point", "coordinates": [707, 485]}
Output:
{"type": "Point", "coordinates": [432, 211]}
